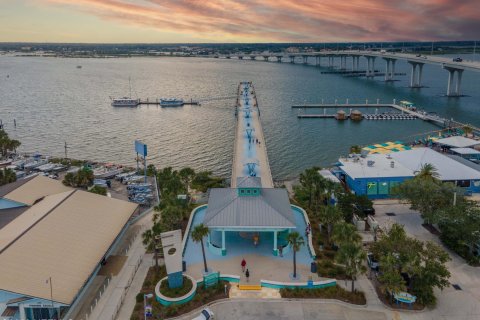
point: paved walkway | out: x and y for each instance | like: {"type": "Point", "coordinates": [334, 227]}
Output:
{"type": "Point", "coordinates": [247, 150]}
{"type": "Point", "coordinates": [119, 297]}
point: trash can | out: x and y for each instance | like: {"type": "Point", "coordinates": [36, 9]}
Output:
{"type": "Point", "coordinates": [313, 267]}
{"type": "Point", "coordinates": [184, 266]}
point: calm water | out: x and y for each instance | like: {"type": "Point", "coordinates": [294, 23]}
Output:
{"type": "Point", "coordinates": [53, 102]}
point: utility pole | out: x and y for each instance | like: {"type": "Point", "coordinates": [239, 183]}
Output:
{"type": "Point", "coordinates": [66, 153]}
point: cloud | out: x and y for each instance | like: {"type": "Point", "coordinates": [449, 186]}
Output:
{"type": "Point", "coordinates": [293, 20]}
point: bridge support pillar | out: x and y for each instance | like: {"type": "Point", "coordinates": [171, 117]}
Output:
{"type": "Point", "coordinates": [370, 73]}
{"type": "Point", "coordinates": [279, 58]}
{"type": "Point", "coordinates": [252, 57]}
{"type": "Point", "coordinates": [317, 61]}
{"type": "Point", "coordinates": [389, 69]}
{"type": "Point", "coordinates": [240, 57]}
{"type": "Point", "coordinates": [330, 61]}
{"type": "Point", "coordinates": [265, 58]}
{"type": "Point", "coordinates": [292, 59]}
{"type": "Point", "coordinates": [305, 59]}
{"type": "Point", "coordinates": [343, 62]}
{"type": "Point", "coordinates": [454, 91]}
{"type": "Point", "coordinates": [416, 76]}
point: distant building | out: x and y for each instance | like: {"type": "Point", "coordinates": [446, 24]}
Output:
{"type": "Point", "coordinates": [53, 240]}
{"type": "Point", "coordinates": [375, 175]}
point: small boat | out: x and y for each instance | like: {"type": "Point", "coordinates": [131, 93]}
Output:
{"type": "Point", "coordinates": [5, 163]}
{"type": "Point", "coordinates": [106, 173]}
{"type": "Point", "coordinates": [47, 167]}
{"type": "Point", "coordinates": [34, 164]}
{"type": "Point", "coordinates": [125, 102]}
{"type": "Point", "coordinates": [171, 102]}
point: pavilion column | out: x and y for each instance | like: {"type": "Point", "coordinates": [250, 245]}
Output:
{"type": "Point", "coordinates": [275, 249]}
{"type": "Point", "coordinates": [224, 250]}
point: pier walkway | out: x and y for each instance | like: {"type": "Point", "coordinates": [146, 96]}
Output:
{"type": "Point", "coordinates": [250, 157]}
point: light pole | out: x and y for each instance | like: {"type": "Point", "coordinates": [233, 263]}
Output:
{"type": "Point", "coordinates": [145, 297]}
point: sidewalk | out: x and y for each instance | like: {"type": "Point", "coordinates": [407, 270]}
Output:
{"type": "Point", "coordinates": [119, 297]}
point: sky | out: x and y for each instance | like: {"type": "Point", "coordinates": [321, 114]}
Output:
{"type": "Point", "coordinates": [237, 21]}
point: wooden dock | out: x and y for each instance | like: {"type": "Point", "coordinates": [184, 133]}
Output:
{"type": "Point", "coordinates": [157, 102]}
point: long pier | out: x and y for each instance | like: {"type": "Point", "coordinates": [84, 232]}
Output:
{"type": "Point", "coordinates": [250, 152]}
{"type": "Point", "coordinates": [157, 102]}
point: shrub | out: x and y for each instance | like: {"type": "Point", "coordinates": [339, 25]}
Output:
{"type": "Point", "coordinates": [139, 297]}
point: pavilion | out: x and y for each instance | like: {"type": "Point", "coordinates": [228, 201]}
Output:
{"type": "Point", "coordinates": [248, 211]}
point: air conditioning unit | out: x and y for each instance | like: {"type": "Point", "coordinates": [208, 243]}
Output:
{"type": "Point", "coordinates": [392, 164]}
{"type": "Point", "coordinates": [370, 163]}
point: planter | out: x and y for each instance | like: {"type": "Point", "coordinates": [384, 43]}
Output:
{"type": "Point", "coordinates": [166, 301]}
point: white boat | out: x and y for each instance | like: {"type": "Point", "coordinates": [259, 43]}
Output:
{"type": "Point", "coordinates": [34, 164]}
{"type": "Point", "coordinates": [4, 163]}
{"type": "Point", "coordinates": [171, 102]}
{"type": "Point", "coordinates": [46, 167]}
{"type": "Point", "coordinates": [106, 173]}
{"type": "Point", "coordinates": [126, 101]}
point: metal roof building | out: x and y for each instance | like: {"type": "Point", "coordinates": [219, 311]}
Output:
{"type": "Point", "coordinates": [62, 236]}
{"type": "Point", "coordinates": [457, 142]}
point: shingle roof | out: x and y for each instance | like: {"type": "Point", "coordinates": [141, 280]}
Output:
{"type": "Point", "coordinates": [270, 209]}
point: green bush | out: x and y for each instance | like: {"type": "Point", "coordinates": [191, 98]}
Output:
{"type": "Point", "coordinates": [139, 297]}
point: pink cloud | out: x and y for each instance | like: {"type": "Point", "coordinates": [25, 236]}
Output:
{"type": "Point", "coordinates": [294, 20]}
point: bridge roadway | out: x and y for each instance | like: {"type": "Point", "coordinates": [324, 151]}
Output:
{"type": "Point", "coordinates": [455, 69]}
{"type": "Point", "coordinates": [249, 158]}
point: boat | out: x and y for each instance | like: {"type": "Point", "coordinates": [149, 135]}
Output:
{"type": "Point", "coordinates": [47, 167]}
{"type": "Point", "coordinates": [106, 173]}
{"type": "Point", "coordinates": [126, 101]}
{"type": "Point", "coordinates": [4, 163]}
{"type": "Point", "coordinates": [172, 102]}
{"type": "Point", "coordinates": [34, 164]}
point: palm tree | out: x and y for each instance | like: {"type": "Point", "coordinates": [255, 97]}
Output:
{"type": "Point", "coordinates": [296, 241]}
{"type": "Point", "coordinates": [345, 233]}
{"type": "Point", "coordinates": [199, 232]}
{"type": "Point", "coordinates": [186, 175]}
{"type": "Point", "coordinates": [307, 180]}
{"type": "Point", "coordinates": [355, 149]}
{"type": "Point", "coordinates": [329, 216]}
{"type": "Point", "coordinates": [352, 256]}
{"type": "Point", "coordinates": [428, 172]}
{"type": "Point", "coordinates": [468, 130]}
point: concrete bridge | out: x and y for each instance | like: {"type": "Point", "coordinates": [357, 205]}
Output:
{"type": "Point", "coordinates": [454, 69]}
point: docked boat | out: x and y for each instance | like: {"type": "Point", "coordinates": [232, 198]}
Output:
{"type": "Point", "coordinates": [5, 163]}
{"type": "Point", "coordinates": [106, 173]}
{"type": "Point", "coordinates": [125, 102]}
{"type": "Point", "coordinates": [46, 167]}
{"type": "Point", "coordinates": [171, 102]}
{"type": "Point", "coordinates": [34, 164]}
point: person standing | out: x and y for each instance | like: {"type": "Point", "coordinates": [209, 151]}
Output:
{"type": "Point", "coordinates": [243, 264]}
{"type": "Point", "coordinates": [247, 274]}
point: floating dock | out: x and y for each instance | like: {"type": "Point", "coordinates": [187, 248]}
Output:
{"type": "Point", "coordinates": [250, 152]}
{"type": "Point", "coordinates": [418, 114]}
{"type": "Point", "coordinates": [157, 102]}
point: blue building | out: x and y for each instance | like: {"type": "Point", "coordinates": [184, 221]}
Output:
{"type": "Point", "coordinates": [375, 175]}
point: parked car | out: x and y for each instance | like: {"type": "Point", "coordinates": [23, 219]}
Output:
{"type": "Point", "coordinates": [418, 55]}
{"type": "Point", "coordinates": [206, 314]}
{"type": "Point", "coordinates": [372, 262]}
{"type": "Point", "coordinates": [457, 59]}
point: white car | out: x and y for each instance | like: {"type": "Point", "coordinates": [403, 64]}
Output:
{"type": "Point", "coordinates": [206, 314]}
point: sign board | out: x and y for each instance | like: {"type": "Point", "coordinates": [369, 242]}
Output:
{"type": "Point", "coordinates": [140, 148]}
{"type": "Point", "coordinates": [211, 279]}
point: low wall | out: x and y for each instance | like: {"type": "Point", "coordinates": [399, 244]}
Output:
{"type": "Point", "coordinates": [189, 225]}
{"type": "Point", "coordinates": [166, 301]}
{"type": "Point", "coordinates": [313, 285]}
{"type": "Point", "coordinates": [309, 240]}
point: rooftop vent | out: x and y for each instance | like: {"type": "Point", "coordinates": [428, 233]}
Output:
{"type": "Point", "coordinates": [370, 163]}
{"type": "Point", "coordinates": [392, 164]}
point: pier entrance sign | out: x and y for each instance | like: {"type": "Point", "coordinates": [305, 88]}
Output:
{"type": "Point", "coordinates": [141, 150]}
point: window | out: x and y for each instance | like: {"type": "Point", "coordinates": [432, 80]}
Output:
{"type": "Point", "coordinates": [371, 187]}
{"type": "Point", "coordinates": [248, 191]}
{"type": "Point", "coordinates": [463, 183]}
{"type": "Point", "coordinates": [242, 191]}
{"type": "Point", "coordinates": [383, 187]}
